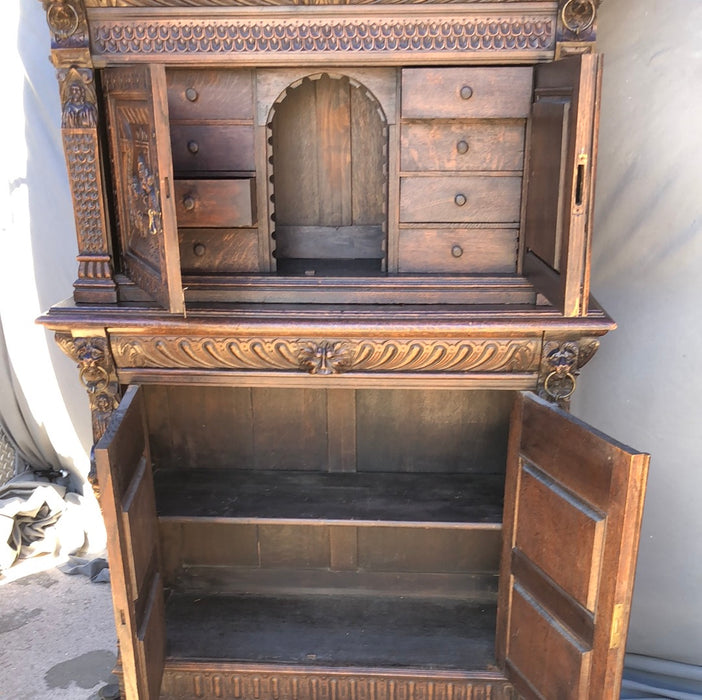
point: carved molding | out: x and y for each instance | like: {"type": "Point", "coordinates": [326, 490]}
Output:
{"type": "Point", "coordinates": [326, 356]}
{"type": "Point", "coordinates": [560, 365]}
{"type": "Point", "coordinates": [231, 3]}
{"type": "Point", "coordinates": [96, 371]}
{"type": "Point", "coordinates": [183, 681]}
{"type": "Point", "coordinates": [144, 36]}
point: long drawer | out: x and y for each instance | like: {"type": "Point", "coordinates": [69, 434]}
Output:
{"type": "Point", "coordinates": [458, 250]}
{"type": "Point", "coordinates": [215, 203]}
{"type": "Point", "coordinates": [460, 199]}
{"type": "Point", "coordinates": [199, 148]}
{"type": "Point", "coordinates": [466, 93]}
{"type": "Point", "coordinates": [462, 146]}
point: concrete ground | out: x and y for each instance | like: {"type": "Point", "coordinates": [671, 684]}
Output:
{"type": "Point", "coordinates": [57, 634]}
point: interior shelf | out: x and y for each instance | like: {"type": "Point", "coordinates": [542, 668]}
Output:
{"type": "Point", "coordinates": [460, 499]}
{"type": "Point", "coordinates": [333, 630]}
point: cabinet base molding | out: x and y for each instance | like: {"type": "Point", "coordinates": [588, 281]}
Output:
{"type": "Point", "coordinates": [187, 679]}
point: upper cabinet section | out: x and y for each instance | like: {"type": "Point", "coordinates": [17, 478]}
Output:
{"type": "Point", "coordinates": [384, 152]}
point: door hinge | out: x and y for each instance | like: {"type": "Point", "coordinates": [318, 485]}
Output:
{"type": "Point", "coordinates": [618, 627]}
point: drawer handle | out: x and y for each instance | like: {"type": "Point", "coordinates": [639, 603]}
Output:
{"type": "Point", "coordinates": [199, 249]}
{"type": "Point", "coordinates": [191, 94]}
{"type": "Point", "coordinates": [462, 146]}
{"type": "Point", "coordinates": [460, 200]}
{"type": "Point", "coordinates": [188, 203]}
{"type": "Point", "coordinates": [466, 92]}
{"type": "Point", "coordinates": [456, 251]}
{"type": "Point", "coordinates": [193, 147]}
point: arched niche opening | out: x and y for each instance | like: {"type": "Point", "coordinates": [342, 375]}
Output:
{"type": "Point", "coordinates": [328, 146]}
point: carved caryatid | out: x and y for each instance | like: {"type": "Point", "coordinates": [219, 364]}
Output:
{"type": "Point", "coordinates": [96, 371]}
{"type": "Point", "coordinates": [79, 127]}
{"type": "Point", "coordinates": [560, 366]}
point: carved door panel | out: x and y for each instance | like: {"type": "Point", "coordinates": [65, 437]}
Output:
{"type": "Point", "coordinates": [129, 509]}
{"type": "Point", "coordinates": [143, 173]}
{"type": "Point", "coordinates": [560, 179]}
{"type": "Point", "coordinates": [573, 505]}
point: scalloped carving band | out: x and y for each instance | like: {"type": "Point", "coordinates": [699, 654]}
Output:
{"type": "Point", "coordinates": [326, 356]}
{"type": "Point", "coordinates": [148, 37]}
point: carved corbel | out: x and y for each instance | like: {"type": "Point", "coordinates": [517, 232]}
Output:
{"type": "Point", "coordinates": [576, 30]}
{"type": "Point", "coordinates": [70, 55]}
{"type": "Point", "coordinates": [561, 363]}
{"type": "Point", "coordinates": [96, 371]}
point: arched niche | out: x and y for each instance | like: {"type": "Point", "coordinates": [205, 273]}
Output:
{"type": "Point", "coordinates": [328, 153]}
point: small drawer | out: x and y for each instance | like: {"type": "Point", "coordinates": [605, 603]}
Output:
{"type": "Point", "coordinates": [455, 250]}
{"type": "Point", "coordinates": [462, 146]}
{"type": "Point", "coordinates": [210, 94]}
{"type": "Point", "coordinates": [215, 203]}
{"type": "Point", "coordinates": [218, 251]}
{"type": "Point", "coordinates": [212, 148]}
{"type": "Point", "coordinates": [478, 199]}
{"type": "Point", "coordinates": [455, 93]}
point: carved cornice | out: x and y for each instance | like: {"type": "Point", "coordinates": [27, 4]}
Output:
{"type": "Point", "coordinates": [326, 356]}
{"type": "Point", "coordinates": [340, 35]}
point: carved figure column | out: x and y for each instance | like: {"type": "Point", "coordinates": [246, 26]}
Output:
{"type": "Point", "coordinates": [96, 370]}
{"type": "Point", "coordinates": [577, 27]}
{"type": "Point", "coordinates": [70, 54]}
{"type": "Point", "coordinates": [561, 363]}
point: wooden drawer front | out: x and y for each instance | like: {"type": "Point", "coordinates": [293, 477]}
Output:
{"type": "Point", "coordinates": [218, 251]}
{"type": "Point", "coordinates": [449, 199]}
{"type": "Point", "coordinates": [215, 203]}
{"type": "Point", "coordinates": [466, 251]}
{"type": "Point", "coordinates": [212, 148]}
{"type": "Point", "coordinates": [461, 146]}
{"type": "Point", "coordinates": [210, 94]}
{"type": "Point", "coordinates": [457, 93]}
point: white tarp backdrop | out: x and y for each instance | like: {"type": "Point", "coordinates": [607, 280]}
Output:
{"type": "Point", "coordinates": [643, 385]}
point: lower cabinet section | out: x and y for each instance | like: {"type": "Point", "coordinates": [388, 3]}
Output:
{"type": "Point", "coordinates": [366, 543]}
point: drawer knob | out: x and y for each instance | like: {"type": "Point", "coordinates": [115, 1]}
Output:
{"type": "Point", "coordinates": [460, 200]}
{"type": "Point", "coordinates": [466, 92]}
{"type": "Point", "coordinates": [188, 203]}
{"type": "Point", "coordinates": [193, 147]}
{"type": "Point", "coordinates": [191, 94]}
{"type": "Point", "coordinates": [199, 249]}
{"type": "Point", "coordinates": [456, 251]}
{"type": "Point", "coordinates": [462, 147]}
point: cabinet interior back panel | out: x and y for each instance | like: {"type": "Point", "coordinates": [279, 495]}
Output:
{"type": "Point", "coordinates": [329, 429]}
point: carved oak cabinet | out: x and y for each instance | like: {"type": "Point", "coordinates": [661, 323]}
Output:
{"type": "Point", "coordinates": [332, 286]}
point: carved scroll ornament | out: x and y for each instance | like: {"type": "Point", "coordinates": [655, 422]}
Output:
{"type": "Point", "coordinates": [326, 356]}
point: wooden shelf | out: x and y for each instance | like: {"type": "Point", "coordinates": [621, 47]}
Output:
{"type": "Point", "coordinates": [332, 630]}
{"type": "Point", "coordinates": [448, 499]}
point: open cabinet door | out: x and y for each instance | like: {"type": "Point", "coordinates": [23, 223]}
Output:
{"type": "Point", "coordinates": [559, 195]}
{"type": "Point", "coordinates": [129, 509]}
{"type": "Point", "coordinates": [137, 107]}
{"type": "Point", "coordinates": [573, 505]}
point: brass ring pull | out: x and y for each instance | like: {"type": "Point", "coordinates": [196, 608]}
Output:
{"type": "Point", "coordinates": [466, 92]}
{"type": "Point", "coordinates": [460, 200]}
{"type": "Point", "coordinates": [559, 395]}
{"type": "Point", "coordinates": [94, 378]}
{"type": "Point", "coordinates": [193, 147]}
{"type": "Point", "coordinates": [188, 203]}
{"type": "Point", "coordinates": [462, 146]}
